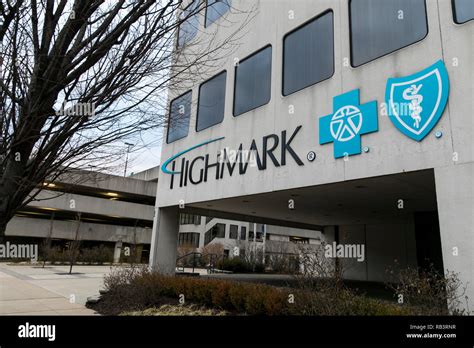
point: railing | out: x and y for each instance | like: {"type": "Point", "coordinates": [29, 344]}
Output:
{"type": "Point", "coordinates": [194, 262]}
{"type": "Point", "coordinates": [196, 257]}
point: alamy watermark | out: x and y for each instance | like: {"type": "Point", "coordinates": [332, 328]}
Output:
{"type": "Point", "coordinates": [78, 109]}
{"type": "Point", "coordinates": [19, 251]}
{"type": "Point", "coordinates": [234, 156]}
{"type": "Point", "coordinates": [352, 251]}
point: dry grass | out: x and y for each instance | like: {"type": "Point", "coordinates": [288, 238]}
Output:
{"type": "Point", "coordinates": [177, 310]}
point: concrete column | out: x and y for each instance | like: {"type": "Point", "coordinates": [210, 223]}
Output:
{"type": "Point", "coordinates": [117, 251]}
{"type": "Point", "coordinates": [164, 240]}
{"type": "Point", "coordinates": [455, 196]}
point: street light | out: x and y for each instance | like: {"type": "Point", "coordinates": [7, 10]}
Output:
{"type": "Point", "coordinates": [126, 159]}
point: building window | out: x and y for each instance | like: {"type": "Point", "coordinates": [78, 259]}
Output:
{"type": "Point", "coordinates": [187, 219]}
{"type": "Point", "coordinates": [211, 102]}
{"type": "Point", "coordinates": [463, 11]}
{"type": "Point", "coordinates": [234, 232]}
{"type": "Point", "coordinates": [258, 236]}
{"type": "Point", "coordinates": [299, 240]}
{"type": "Point", "coordinates": [216, 9]}
{"type": "Point", "coordinates": [190, 23]}
{"type": "Point", "coordinates": [217, 231]}
{"type": "Point", "coordinates": [243, 233]}
{"type": "Point", "coordinates": [178, 122]}
{"type": "Point", "coordinates": [189, 239]}
{"type": "Point", "coordinates": [252, 85]}
{"type": "Point", "coordinates": [308, 54]}
{"type": "Point", "coordinates": [379, 27]}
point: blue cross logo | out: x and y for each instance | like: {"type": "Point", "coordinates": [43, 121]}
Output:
{"type": "Point", "coordinates": [348, 122]}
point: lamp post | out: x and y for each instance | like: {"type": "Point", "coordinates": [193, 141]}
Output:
{"type": "Point", "coordinates": [129, 145]}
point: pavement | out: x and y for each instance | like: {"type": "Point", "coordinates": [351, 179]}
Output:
{"type": "Point", "coordinates": [33, 290]}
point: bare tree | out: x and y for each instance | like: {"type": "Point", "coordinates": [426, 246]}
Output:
{"type": "Point", "coordinates": [81, 77]}
{"type": "Point", "coordinates": [75, 244]}
{"type": "Point", "coordinates": [47, 241]}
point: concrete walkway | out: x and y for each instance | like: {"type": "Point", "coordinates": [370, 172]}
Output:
{"type": "Point", "coordinates": [33, 290]}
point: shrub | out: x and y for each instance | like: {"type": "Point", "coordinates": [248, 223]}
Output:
{"type": "Point", "coordinates": [99, 255]}
{"type": "Point", "coordinates": [133, 289]}
{"type": "Point", "coordinates": [56, 255]}
{"type": "Point", "coordinates": [428, 290]}
{"type": "Point", "coordinates": [138, 289]}
{"type": "Point", "coordinates": [238, 265]}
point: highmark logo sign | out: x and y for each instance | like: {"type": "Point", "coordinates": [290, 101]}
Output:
{"type": "Point", "coordinates": [426, 93]}
{"type": "Point", "coordinates": [197, 170]}
{"type": "Point", "coordinates": [348, 122]}
{"type": "Point", "coordinates": [414, 104]}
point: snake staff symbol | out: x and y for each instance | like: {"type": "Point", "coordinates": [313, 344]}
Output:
{"type": "Point", "coordinates": [411, 94]}
{"type": "Point", "coordinates": [416, 102]}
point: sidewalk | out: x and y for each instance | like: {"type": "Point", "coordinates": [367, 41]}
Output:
{"type": "Point", "coordinates": [32, 290]}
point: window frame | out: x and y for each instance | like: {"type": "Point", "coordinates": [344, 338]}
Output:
{"type": "Point", "coordinates": [243, 229]}
{"type": "Point", "coordinates": [329, 10]}
{"type": "Point", "coordinates": [199, 96]}
{"type": "Point", "coordinates": [386, 54]}
{"type": "Point", "coordinates": [183, 239]}
{"type": "Point", "coordinates": [205, 14]}
{"type": "Point", "coordinates": [453, 9]}
{"type": "Point", "coordinates": [198, 3]}
{"type": "Point", "coordinates": [235, 78]}
{"type": "Point", "coordinates": [236, 231]}
{"type": "Point", "coordinates": [169, 116]}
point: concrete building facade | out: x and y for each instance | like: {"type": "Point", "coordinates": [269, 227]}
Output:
{"type": "Point", "coordinates": [104, 209]}
{"type": "Point", "coordinates": [315, 91]}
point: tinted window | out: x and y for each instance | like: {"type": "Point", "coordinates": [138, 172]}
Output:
{"type": "Point", "coordinates": [379, 27]}
{"type": "Point", "coordinates": [216, 9]}
{"type": "Point", "coordinates": [180, 112]}
{"type": "Point", "coordinates": [243, 233]}
{"type": "Point", "coordinates": [217, 231]}
{"type": "Point", "coordinates": [253, 81]}
{"type": "Point", "coordinates": [308, 54]}
{"type": "Point", "coordinates": [234, 231]}
{"type": "Point", "coordinates": [189, 239]}
{"type": "Point", "coordinates": [463, 10]}
{"type": "Point", "coordinates": [211, 102]}
{"type": "Point", "coordinates": [189, 27]}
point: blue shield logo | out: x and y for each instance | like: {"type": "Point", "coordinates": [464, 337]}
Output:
{"type": "Point", "coordinates": [415, 103]}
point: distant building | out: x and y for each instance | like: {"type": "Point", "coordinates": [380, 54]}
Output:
{"type": "Point", "coordinates": [110, 210]}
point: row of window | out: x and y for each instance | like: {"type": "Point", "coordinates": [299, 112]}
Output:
{"type": "Point", "coordinates": [189, 239]}
{"type": "Point", "coordinates": [377, 28]}
{"type": "Point", "coordinates": [186, 219]}
{"type": "Point", "coordinates": [190, 17]}
{"type": "Point", "coordinates": [218, 231]}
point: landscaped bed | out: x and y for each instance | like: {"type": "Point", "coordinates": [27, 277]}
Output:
{"type": "Point", "coordinates": [140, 292]}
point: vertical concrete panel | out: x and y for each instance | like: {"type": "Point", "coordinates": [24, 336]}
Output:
{"type": "Point", "coordinates": [164, 240]}
{"type": "Point", "coordinates": [455, 196]}
{"type": "Point", "coordinates": [389, 245]}
{"type": "Point", "coordinates": [353, 234]}
{"type": "Point", "coordinates": [410, 243]}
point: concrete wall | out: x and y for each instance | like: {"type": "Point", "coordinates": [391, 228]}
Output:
{"type": "Point", "coordinates": [387, 246]}
{"type": "Point", "coordinates": [109, 182]}
{"type": "Point", "coordinates": [66, 230]}
{"type": "Point", "coordinates": [455, 192]}
{"type": "Point", "coordinates": [295, 232]}
{"type": "Point", "coordinates": [147, 175]}
{"type": "Point", "coordinates": [87, 204]}
{"type": "Point", "coordinates": [390, 150]}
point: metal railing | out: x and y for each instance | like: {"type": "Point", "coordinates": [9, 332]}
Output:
{"type": "Point", "coordinates": [197, 259]}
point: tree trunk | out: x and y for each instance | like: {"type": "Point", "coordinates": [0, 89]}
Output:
{"type": "Point", "coordinates": [3, 228]}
